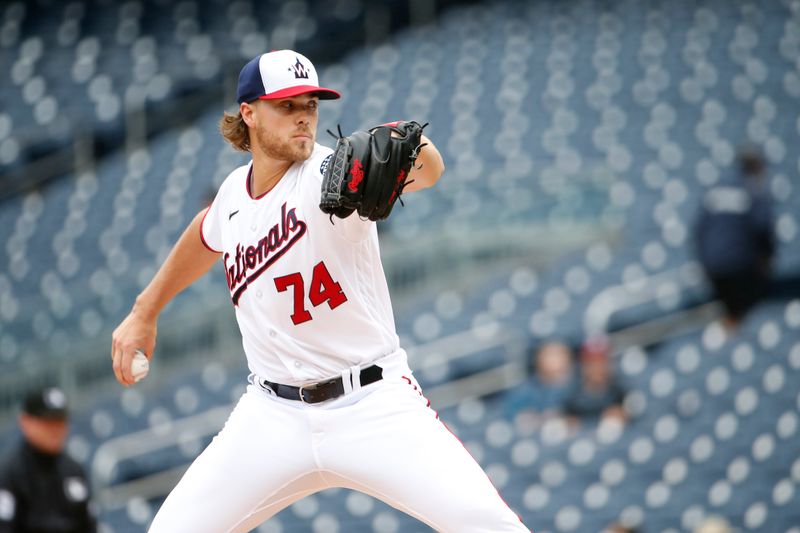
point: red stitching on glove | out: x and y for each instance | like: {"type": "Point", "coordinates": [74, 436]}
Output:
{"type": "Point", "coordinates": [358, 175]}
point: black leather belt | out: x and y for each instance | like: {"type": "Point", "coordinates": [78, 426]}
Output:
{"type": "Point", "coordinates": [323, 390]}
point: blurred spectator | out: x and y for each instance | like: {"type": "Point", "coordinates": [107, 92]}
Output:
{"type": "Point", "coordinates": [618, 527]}
{"type": "Point", "coordinates": [43, 490]}
{"type": "Point", "coordinates": [734, 237]}
{"type": "Point", "coordinates": [713, 524]}
{"type": "Point", "coordinates": [597, 394]}
{"type": "Point", "coordinates": [544, 394]}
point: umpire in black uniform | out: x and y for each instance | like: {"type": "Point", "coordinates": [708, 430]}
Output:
{"type": "Point", "coordinates": [43, 490]}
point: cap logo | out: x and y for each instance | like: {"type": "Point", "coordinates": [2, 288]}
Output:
{"type": "Point", "coordinates": [55, 399]}
{"type": "Point", "coordinates": [300, 70]}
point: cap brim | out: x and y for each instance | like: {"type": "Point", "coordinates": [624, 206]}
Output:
{"type": "Point", "coordinates": [47, 414]}
{"type": "Point", "coordinates": [297, 90]}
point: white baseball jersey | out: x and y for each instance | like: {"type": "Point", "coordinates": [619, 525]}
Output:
{"type": "Point", "coordinates": [310, 295]}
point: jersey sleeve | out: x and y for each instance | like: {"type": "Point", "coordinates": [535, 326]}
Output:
{"type": "Point", "coordinates": [210, 228]}
{"type": "Point", "coordinates": [212, 223]}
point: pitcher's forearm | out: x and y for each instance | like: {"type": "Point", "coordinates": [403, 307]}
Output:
{"type": "Point", "coordinates": [186, 263]}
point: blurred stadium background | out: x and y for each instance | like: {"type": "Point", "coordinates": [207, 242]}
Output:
{"type": "Point", "coordinates": [578, 137]}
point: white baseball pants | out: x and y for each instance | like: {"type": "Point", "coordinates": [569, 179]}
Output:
{"type": "Point", "coordinates": [382, 440]}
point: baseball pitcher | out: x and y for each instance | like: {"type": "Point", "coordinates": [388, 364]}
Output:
{"type": "Point", "coordinates": [331, 401]}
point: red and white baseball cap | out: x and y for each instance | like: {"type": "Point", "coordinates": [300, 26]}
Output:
{"type": "Point", "coordinates": [280, 74]}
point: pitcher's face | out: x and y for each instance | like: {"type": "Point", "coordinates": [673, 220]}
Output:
{"type": "Point", "coordinates": [285, 129]}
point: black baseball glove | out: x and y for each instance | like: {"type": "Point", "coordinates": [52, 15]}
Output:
{"type": "Point", "coordinates": [368, 170]}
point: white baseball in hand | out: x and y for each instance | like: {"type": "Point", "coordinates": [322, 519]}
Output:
{"type": "Point", "coordinates": [140, 365]}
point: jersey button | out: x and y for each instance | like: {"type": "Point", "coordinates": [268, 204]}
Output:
{"type": "Point", "coordinates": [258, 294]}
{"type": "Point", "coordinates": [253, 227]}
{"type": "Point", "coordinates": [272, 333]}
{"type": "Point", "coordinates": [298, 364]}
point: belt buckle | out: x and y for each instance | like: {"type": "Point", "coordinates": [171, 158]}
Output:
{"type": "Point", "coordinates": [309, 387]}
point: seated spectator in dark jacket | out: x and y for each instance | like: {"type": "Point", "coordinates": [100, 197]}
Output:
{"type": "Point", "coordinates": [596, 394]}
{"type": "Point", "coordinates": [544, 394]}
{"type": "Point", "coordinates": [619, 527]}
{"type": "Point", "coordinates": [713, 524]}
{"type": "Point", "coordinates": [734, 238]}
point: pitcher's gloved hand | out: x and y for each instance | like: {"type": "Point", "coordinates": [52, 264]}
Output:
{"type": "Point", "coordinates": [369, 169]}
